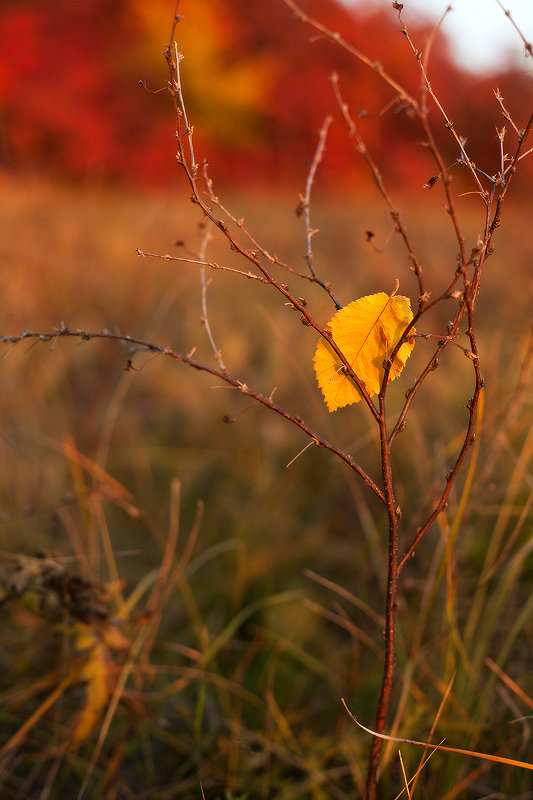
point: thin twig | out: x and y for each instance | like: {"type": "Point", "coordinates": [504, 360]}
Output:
{"type": "Point", "coordinates": [528, 46]}
{"type": "Point", "coordinates": [191, 172]}
{"type": "Point", "coordinates": [449, 124]}
{"type": "Point", "coordinates": [505, 112]}
{"type": "Point", "coordinates": [305, 206]}
{"type": "Point", "coordinates": [378, 180]}
{"type": "Point", "coordinates": [210, 264]}
{"type": "Point", "coordinates": [140, 344]}
{"type": "Point", "coordinates": [375, 66]}
{"type": "Point", "coordinates": [239, 222]}
{"type": "Point", "coordinates": [203, 283]}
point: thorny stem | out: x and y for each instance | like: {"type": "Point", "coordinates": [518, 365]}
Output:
{"type": "Point", "coordinates": [389, 633]}
{"type": "Point", "coordinates": [204, 284]}
{"type": "Point", "coordinates": [507, 116]}
{"type": "Point", "coordinates": [450, 204]}
{"type": "Point", "coordinates": [378, 180]}
{"type": "Point", "coordinates": [466, 297]}
{"type": "Point", "coordinates": [191, 171]}
{"type": "Point", "coordinates": [211, 264]}
{"type": "Point", "coordinates": [466, 308]}
{"type": "Point", "coordinates": [449, 124]}
{"type": "Point", "coordinates": [386, 442]}
{"type": "Point", "coordinates": [510, 171]}
{"type": "Point", "coordinates": [240, 224]}
{"type": "Point", "coordinates": [141, 344]}
{"type": "Point", "coordinates": [375, 66]}
{"type": "Point", "coordinates": [306, 199]}
{"type": "Point", "coordinates": [259, 248]}
{"type": "Point", "coordinates": [528, 46]}
{"type": "Point", "coordinates": [305, 205]}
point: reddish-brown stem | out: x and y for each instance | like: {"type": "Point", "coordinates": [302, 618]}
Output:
{"type": "Point", "coordinates": [450, 478]}
{"type": "Point", "coordinates": [389, 633]}
{"type": "Point", "coordinates": [467, 307]}
{"type": "Point", "coordinates": [449, 124]}
{"type": "Point", "coordinates": [305, 206]}
{"type": "Point", "coordinates": [378, 180]}
{"type": "Point", "coordinates": [190, 169]}
{"type": "Point", "coordinates": [375, 66]}
{"type": "Point", "coordinates": [141, 344]}
{"type": "Point", "coordinates": [528, 46]}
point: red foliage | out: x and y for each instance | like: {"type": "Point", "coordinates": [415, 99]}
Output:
{"type": "Point", "coordinates": [70, 102]}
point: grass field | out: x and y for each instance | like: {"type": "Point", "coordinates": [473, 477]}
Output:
{"type": "Point", "coordinates": [227, 602]}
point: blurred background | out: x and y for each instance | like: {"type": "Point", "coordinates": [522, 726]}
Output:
{"type": "Point", "coordinates": [72, 109]}
{"type": "Point", "coordinates": [253, 649]}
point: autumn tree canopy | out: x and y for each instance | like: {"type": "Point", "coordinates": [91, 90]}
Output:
{"type": "Point", "coordinates": [256, 81]}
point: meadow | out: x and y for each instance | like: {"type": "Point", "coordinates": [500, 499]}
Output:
{"type": "Point", "coordinates": [186, 601]}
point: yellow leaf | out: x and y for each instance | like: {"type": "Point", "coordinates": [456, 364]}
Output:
{"type": "Point", "coordinates": [96, 672]}
{"type": "Point", "coordinates": [366, 331]}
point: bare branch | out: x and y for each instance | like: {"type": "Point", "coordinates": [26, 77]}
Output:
{"type": "Point", "coordinates": [305, 206]}
{"type": "Point", "coordinates": [141, 344]}
{"type": "Point", "coordinates": [203, 283]}
{"type": "Point", "coordinates": [378, 180]}
{"type": "Point", "coordinates": [375, 66]}
{"type": "Point", "coordinates": [449, 124]}
{"type": "Point", "coordinates": [528, 46]}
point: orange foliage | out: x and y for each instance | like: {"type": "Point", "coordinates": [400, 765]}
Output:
{"type": "Point", "coordinates": [225, 94]}
{"type": "Point", "coordinates": [256, 84]}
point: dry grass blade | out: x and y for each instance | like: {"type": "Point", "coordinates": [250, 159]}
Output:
{"type": "Point", "coordinates": [52, 698]}
{"type": "Point", "coordinates": [512, 762]}
{"type": "Point", "coordinates": [510, 683]}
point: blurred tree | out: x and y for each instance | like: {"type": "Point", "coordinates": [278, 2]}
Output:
{"type": "Point", "coordinates": [256, 84]}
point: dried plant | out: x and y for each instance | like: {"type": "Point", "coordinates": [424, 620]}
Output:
{"type": "Point", "coordinates": [424, 329]}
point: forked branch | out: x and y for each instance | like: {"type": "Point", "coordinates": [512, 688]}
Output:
{"type": "Point", "coordinates": [140, 345]}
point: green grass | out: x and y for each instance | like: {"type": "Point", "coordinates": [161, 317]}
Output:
{"type": "Point", "coordinates": [240, 656]}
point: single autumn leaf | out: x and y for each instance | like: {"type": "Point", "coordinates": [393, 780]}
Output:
{"type": "Point", "coordinates": [366, 331]}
